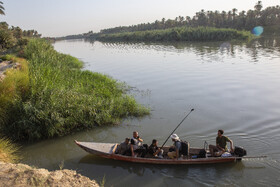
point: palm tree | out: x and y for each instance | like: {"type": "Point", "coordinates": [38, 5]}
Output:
{"type": "Point", "coordinates": [2, 8]}
{"type": "Point", "coordinates": [258, 6]}
{"type": "Point", "coordinates": [234, 10]}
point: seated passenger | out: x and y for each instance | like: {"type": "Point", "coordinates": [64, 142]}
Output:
{"type": "Point", "coordinates": [174, 151]}
{"type": "Point", "coordinates": [154, 150]}
{"type": "Point", "coordinates": [136, 142]}
{"type": "Point", "coordinates": [221, 145]}
{"type": "Point", "coordinates": [123, 148]}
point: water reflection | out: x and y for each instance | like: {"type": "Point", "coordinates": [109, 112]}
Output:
{"type": "Point", "coordinates": [138, 169]}
{"type": "Point", "coordinates": [190, 174]}
{"type": "Point", "coordinates": [270, 46]}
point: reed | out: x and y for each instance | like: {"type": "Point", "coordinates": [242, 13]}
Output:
{"type": "Point", "coordinates": [14, 89]}
{"type": "Point", "coordinates": [8, 151]}
{"type": "Point", "coordinates": [62, 98]}
{"type": "Point", "coordinates": [180, 34]}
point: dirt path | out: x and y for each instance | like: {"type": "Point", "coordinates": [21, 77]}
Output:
{"type": "Point", "coordinates": [20, 175]}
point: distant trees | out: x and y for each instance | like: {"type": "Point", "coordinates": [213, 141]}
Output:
{"type": "Point", "coordinates": [31, 34]}
{"type": "Point", "coordinates": [179, 34]}
{"type": "Point", "coordinates": [232, 19]}
{"type": "Point", "coordinates": [14, 37]}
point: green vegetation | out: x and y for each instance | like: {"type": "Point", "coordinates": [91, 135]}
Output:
{"type": "Point", "coordinates": [14, 89]}
{"type": "Point", "coordinates": [53, 97]}
{"type": "Point", "coordinates": [50, 95]}
{"type": "Point", "coordinates": [2, 8]}
{"type": "Point", "coordinates": [102, 183]}
{"type": "Point", "coordinates": [272, 30]}
{"type": "Point", "coordinates": [8, 151]}
{"type": "Point", "coordinates": [240, 20]}
{"type": "Point", "coordinates": [14, 39]}
{"type": "Point", "coordinates": [179, 34]}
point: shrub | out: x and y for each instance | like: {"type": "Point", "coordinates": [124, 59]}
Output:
{"type": "Point", "coordinates": [179, 34]}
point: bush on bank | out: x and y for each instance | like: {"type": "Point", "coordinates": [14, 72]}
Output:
{"type": "Point", "coordinates": [180, 34]}
{"type": "Point", "coordinates": [60, 98]}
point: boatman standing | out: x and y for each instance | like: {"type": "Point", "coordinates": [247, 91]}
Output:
{"type": "Point", "coordinates": [221, 145]}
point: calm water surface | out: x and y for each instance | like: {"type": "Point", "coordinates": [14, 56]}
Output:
{"type": "Point", "coordinates": [232, 86]}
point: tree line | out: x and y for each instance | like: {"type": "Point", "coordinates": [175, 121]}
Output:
{"type": "Point", "coordinates": [13, 38]}
{"type": "Point", "coordinates": [179, 34]}
{"type": "Point", "coordinates": [241, 20]}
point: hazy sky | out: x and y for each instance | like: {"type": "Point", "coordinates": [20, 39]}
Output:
{"type": "Point", "coordinates": [65, 17]}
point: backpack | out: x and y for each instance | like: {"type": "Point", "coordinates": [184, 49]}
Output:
{"type": "Point", "coordinates": [202, 153]}
{"type": "Point", "coordinates": [184, 148]}
{"type": "Point", "coordinates": [240, 151]}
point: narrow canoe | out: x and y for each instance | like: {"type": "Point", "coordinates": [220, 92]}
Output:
{"type": "Point", "coordinates": [106, 150]}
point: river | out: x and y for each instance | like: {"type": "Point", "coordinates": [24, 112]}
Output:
{"type": "Point", "coordinates": [232, 86]}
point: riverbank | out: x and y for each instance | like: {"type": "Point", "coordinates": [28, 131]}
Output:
{"type": "Point", "coordinates": [24, 175]}
{"type": "Point", "coordinates": [50, 96]}
{"type": "Point", "coordinates": [16, 174]}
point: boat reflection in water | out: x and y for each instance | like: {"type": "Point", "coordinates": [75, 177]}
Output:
{"type": "Point", "coordinates": [107, 150]}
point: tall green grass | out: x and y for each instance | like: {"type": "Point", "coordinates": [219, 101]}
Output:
{"type": "Point", "coordinates": [62, 98]}
{"type": "Point", "coordinates": [180, 34]}
{"type": "Point", "coordinates": [14, 90]}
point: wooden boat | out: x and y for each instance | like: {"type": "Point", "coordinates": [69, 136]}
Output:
{"type": "Point", "coordinates": [107, 150]}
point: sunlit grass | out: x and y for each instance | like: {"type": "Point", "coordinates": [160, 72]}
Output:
{"type": "Point", "coordinates": [14, 89]}
{"type": "Point", "coordinates": [60, 98]}
{"type": "Point", "coordinates": [8, 151]}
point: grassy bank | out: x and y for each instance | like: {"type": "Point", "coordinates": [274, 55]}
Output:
{"type": "Point", "coordinates": [58, 98]}
{"type": "Point", "coordinates": [179, 34]}
{"type": "Point", "coordinates": [14, 90]}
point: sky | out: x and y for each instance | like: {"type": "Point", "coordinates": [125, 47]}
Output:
{"type": "Point", "coordinates": [65, 17]}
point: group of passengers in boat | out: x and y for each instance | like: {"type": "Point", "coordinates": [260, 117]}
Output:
{"type": "Point", "coordinates": [135, 147]}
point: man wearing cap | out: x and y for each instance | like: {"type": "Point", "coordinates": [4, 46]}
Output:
{"type": "Point", "coordinates": [177, 146]}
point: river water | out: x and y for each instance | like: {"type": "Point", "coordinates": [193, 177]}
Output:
{"type": "Point", "coordinates": [231, 86]}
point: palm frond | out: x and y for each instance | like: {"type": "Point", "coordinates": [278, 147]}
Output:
{"type": "Point", "coordinates": [2, 8]}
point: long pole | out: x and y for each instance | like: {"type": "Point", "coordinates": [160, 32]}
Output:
{"type": "Point", "coordinates": [177, 127]}
{"type": "Point", "coordinates": [243, 157]}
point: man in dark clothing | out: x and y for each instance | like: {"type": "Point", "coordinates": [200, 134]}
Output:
{"type": "Point", "coordinates": [221, 145]}
{"type": "Point", "coordinates": [154, 150]}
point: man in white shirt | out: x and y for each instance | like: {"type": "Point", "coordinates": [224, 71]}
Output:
{"type": "Point", "coordinates": [136, 142]}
